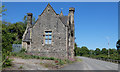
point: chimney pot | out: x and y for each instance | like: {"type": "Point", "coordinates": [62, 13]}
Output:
{"type": "Point", "coordinates": [72, 9]}
{"type": "Point", "coordinates": [29, 14]}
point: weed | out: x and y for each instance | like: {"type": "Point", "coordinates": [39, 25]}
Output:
{"type": "Point", "coordinates": [20, 67]}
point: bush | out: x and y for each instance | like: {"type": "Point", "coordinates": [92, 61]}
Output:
{"type": "Point", "coordinates": [52, 58]}
{"type": "Point", "coordinates": [23, 50]}
{"type": "Point", "coordinates": [7, 63]}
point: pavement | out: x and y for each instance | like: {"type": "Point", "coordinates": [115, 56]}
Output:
{"type": "Point", "coordinates": [91, 64]}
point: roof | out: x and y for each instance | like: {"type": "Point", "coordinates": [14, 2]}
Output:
{"type": "Point", "coordinates": [27, 36]}
{"type": "Point", "coordinates": [61, 17]}
{"type": "Point", "coordinates": [64, 19]}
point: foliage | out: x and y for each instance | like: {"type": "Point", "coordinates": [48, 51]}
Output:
{"type": "Point", "coordinates": [7, 63]}
{"type": "Point", "coordinates": [2, 9]}
{"type": "Point", "coordinates": [84, 51]}
{"type": "Point", "coordinates": [104, 51]}
{"type": "Point", "coordinates": [27, 56]}
{"type": "Point", "coordinates": [80, 51]}
{"type": "Point", "coordinates": [97, 53]}
{"type": "Point", "coordinates": [23, 50]}
{"type": "Point", "coordinates": [11, 34]}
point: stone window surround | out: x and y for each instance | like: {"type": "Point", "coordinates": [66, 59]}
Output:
{"type": "Point", "coordinates": [51, 37]}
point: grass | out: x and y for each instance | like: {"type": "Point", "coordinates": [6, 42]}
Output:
{"type": "Point", "coordinates": [20, 67]}
{"type": "Point", "coordinates": [0, 65]}
{"type": "Point", "coordinates": [25, 56]}
{"type": "Point", "coordinates": [78, 60]}
{"type": "Point", "coordinates": [56, 62]}
{"type": "Point", "coordinates": [59, 63]}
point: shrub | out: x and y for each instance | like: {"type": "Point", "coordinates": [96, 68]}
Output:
{"type": "Point", "coordinates": [23, 50]}
{"type": "Point", "coordinates": [20, 67]}
{"type": "Point", "coordinates": [52, 58]}
{"type": "Point", "coordinates": [7, 63]}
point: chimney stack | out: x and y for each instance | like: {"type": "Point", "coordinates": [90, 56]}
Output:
{"type": "Point", "coordinates": [71, 14]}
{"type": "Point", "coordinates": [29, 20]}
{"type": "Point", "coordinates": [71, 10]}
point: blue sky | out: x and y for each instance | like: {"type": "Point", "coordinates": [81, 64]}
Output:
{"type": "Point", "coordinates": [95, 22]}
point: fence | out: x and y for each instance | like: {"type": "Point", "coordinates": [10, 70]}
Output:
{"type": "Point", "coordinates": [16, 47]}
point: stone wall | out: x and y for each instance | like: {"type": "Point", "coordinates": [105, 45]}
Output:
{"type": "Point", "coordinates": [49, 21]}
{"type": "Point", "coordinates": [62, 28]}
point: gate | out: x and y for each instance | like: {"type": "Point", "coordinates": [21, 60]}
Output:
{"type": "Point", "coordinates": [16, 47]}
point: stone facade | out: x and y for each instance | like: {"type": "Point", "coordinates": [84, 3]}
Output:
{"type": "Point", "coordinates": [52, 35]}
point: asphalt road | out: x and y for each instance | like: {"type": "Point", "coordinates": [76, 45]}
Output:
{"type": "Point", "coordinates": [91, 64]}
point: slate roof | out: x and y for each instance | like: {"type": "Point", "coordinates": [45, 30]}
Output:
{"type": "Point", "coordinates": [64, 19]}
{"type": "Point", "coordinates": [27, 36]}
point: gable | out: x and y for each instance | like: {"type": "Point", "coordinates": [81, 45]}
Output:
{"type": "Point", "coordinates": [48, 14]}
{"type": "Point", "coordinates": [49, 10]}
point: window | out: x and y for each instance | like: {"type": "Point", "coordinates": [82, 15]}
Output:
{"type": "Point", "coordinates": [48, 37]}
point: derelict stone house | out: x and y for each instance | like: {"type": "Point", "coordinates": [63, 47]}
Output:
{"type": "Point", "coordinates": [52, 35]}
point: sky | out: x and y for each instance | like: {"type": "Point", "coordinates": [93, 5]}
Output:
{"type": "Point", "coordinates": [96, 23]}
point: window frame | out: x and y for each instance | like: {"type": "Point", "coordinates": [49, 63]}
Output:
{"type": "Point", "coordinates": [48, 39]}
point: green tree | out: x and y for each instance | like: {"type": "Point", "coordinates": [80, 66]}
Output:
{"type": "Point", "coordinates": [104, 51]}
{"type": "Point", "coordinates": [84, 51]}
{"type": "Point", "coordinates": [2, 10]}
{"type": "Point", "coordinates": [75, 50]}
{"type": "Point", "coordinates": [112, 51]}
{"type": "Point", "coordinates": [97, 51]}
{"type": "Point", "coordinates": [118, 46]}
{"type": "Point", "coordinates": [17, 29]}
{"type": "Point", "coordinates": [91, 52]}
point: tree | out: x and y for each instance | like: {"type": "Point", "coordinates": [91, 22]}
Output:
{"type": "Point", "coordinates": [91, 52]}
{"type": "Point", "coordinates": [84, 51]}
{"type": "Point", "coordinates": [75, 50]}
{"type": "Point", "coordinates": [17, 29]}
{"type": "Point", "coordinates": [118, 46]}
{"type": "Point", "coordinates": [112, 51]}
{"type": "Point", "coordinates": [2, 9]}
{"type": "Point", "coordinates": [97, 51]}
{"type": "Point", "coordinates": [104, 51]}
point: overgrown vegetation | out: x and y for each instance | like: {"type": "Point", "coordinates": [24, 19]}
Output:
{"type": "Point", "coordinates": [11, 34]}
{"type": "Point", "coordinates": [25, 55]}
{"type": "Point", "coordinates": [97, 53]}
{"type": "Point", "coordinates": [56, 63]}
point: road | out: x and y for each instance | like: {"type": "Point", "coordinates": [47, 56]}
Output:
{"type": "Point", "coordinates": [91, 64]}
